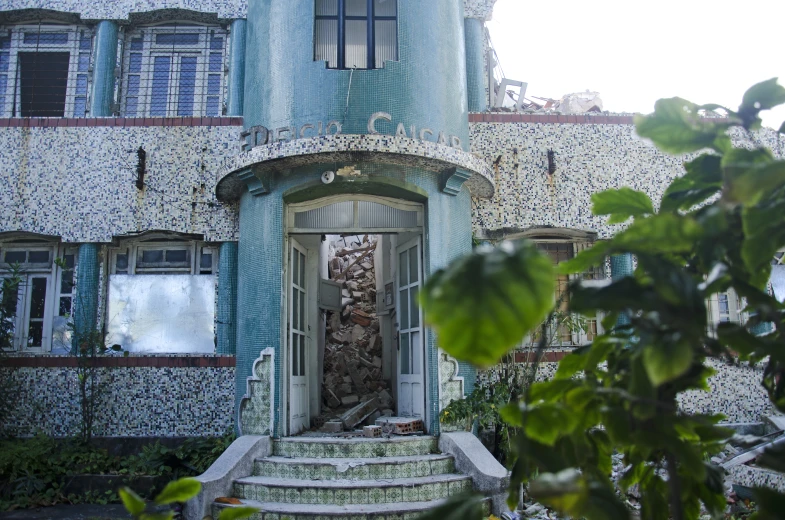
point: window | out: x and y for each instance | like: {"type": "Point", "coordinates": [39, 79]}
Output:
{"type": "Point", "coordinates": [356, 34]}
{"type": "Point", "coordinates": [44, 302]}
{"type": "Point", "coordinates": [725, 307]}
{"type": "Point", "coordinates": [174, 71]}
{"type": "Point", "coordinates": [571, 330]}
{"type": "Point", "coordinates": [153, 257]}
{"type": "Point", "coordinates": [44, 71]}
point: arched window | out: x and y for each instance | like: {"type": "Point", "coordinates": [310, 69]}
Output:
{"type": "Point", "coordinates": [356, 34]}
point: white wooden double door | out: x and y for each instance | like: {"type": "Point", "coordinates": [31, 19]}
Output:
{"type": "Point", "coordinates": [411, 377]}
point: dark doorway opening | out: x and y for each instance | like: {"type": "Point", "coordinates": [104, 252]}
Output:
{"type": "Point", "coordinates": [43, 83]}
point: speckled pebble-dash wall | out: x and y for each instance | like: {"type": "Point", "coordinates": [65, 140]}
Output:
{"type": "Point", "coordinates": [79, 183]}
{"type": "Point", "coordinates": [139, 401]}
{"type": "Point", "coordinates": [589, 158]}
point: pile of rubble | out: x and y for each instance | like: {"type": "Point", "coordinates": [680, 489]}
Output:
{"type": "Point", "coordinates": [354, 391]}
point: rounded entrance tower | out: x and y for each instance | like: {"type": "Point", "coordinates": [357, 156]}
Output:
{"type": "Point", "coordinates": [344, 99]}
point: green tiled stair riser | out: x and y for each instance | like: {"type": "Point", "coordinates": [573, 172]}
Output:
{"type": "Point", "coordinates": [353, 479]}
{"type": "Point", "coordinates": [424, 446]}
{"type": "Point", "coordinates": [376, 492]}
{"type": "Point", "coordinates": [375, 471]}
{"type": "Point", "coordinates": [276, 516]}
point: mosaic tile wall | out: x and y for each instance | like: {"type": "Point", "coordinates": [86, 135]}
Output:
{"type": "Point", "coordinates": [57, 177]}
{"type": "Point", "coordinates": [482, 9]}
{"type": "Point", "coordinates": [735, 392]}
{"type": "Point", "coordinates": [589, 158]}
{"type": "Point", "coordinates": [121, 9]}
{"type": "Point", "coordinates": [140, 402]}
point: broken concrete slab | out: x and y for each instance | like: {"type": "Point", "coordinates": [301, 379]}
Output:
{"type": "Point", "coordinates": [349, 400]}
{"type": "Point", "coordinates": [359, 413]}
{"type": "Point", "coordinates": [333, 426]}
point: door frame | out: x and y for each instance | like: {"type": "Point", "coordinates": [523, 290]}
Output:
{"type": "Point", "coordinates": [290, 234]}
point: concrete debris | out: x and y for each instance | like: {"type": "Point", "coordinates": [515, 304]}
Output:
{"type": "Point", "coordinates": [359, 413]}
{"type": "Point", "coordinates": [353, 358]}
{"type": "Point", "coordinates": [372, 431]}
{"type": "Point", "coordinates": [579, 103]}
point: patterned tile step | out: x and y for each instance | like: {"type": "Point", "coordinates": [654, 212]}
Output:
{"type": "Point", "coordinates": [330, 447]}
{"type": "Point", "coordinates": [279, 511]}
{"type": "Point", "coordinates": [344, 492]}
{"type": "Point", "coordinates": [356, 469]}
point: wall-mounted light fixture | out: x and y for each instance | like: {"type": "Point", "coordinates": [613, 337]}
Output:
{"type": "Point", "coordinates": [551, 162]}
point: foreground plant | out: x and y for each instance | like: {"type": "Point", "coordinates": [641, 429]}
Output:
{"type": "Point", "coordinates": [176, 492]}
{"type": "Point", "coordinates": [717, 228]}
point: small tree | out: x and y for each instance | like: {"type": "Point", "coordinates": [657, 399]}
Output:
{"type": "Point", "coordinates": [717, 228]}
{"type": "Point", "coordinates": [9, 291]}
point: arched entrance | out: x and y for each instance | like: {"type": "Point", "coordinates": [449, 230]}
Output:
{"type": "Point", "coordinates": [372, 342]}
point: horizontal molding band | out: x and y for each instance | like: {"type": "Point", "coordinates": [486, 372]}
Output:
{"type": "Point", "coordinates": [123, 122]}
{"type": "Point", "coordinates": [33, 361]}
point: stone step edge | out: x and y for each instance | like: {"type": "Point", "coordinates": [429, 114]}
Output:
{"type": "Point", "coordinates": [289, 483]}
{"type": "Point", "coordinates": [335, 510]}
{"type": "Point", "coordinates": [354, 462]}
{"type": "Point", "coordinates": [354, 440]}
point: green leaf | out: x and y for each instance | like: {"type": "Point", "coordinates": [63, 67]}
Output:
{"type": "Point", "coordinates": [702, 180]}
{"type": "Point", "coordinates": [565, 491]}
{"type": "Point", "coordinates": [539, 421]}
{"type": "Point", "coordinates": [751, 183]}
{"type": "Point", "coordinates": [603, 503]}
{"type": "Point", "coordinates": [763, 236]}
{"type": "Point", "coordinates": [484, 303]}
{"type": "Point", "coordinates": [761, 96]}
{"type": "Point", "coordinates": [770, 503]}
{"type": "Point", "coordinates": [132, 502]}
{"type": "Point", "coordinates": [458, 507]}
{"type": "Point", "coordinates": [621, 204]}
{"type": "Point", "coordinates": [663, 233]}
{"type": "Point", "coordinates": [157, 516]}
{"type": "Point", "coordinates": [773, 458]}
{"type": "Point", "coordinates": [676, 127]}
{"type": "Point", "coordinates": [666, 361]}
{"type": "Point", "coordinates": [179, 491]}
{"type": "Point", "coordinates": [237, 513]}
{"type": "Point", "coordinates": [586, 259]}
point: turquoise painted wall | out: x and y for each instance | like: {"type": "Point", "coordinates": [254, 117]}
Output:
{"type": "Point", "coordinates": [260, 260]}
{"type": "Point", "coordinates": [284, 87]}
{"type": "Point", "coordinates": [426, 88]}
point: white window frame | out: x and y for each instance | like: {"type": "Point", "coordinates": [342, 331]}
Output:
{"type": "Point", "coordinates": [134, 250]}
{"type": "Point", "coordinates": [734, 314]}
{"type": "Point", "coordinates": [53, 275]}
{"type": "Point", "coordinates": [73, 47]}
{"type": "Point", "coordinates": [151, 50]}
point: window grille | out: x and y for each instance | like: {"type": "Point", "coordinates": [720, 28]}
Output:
{"type": "Point", "coordinates": [174, 71]}
{"type": "Point", "coordinates": [356, 34]}
{"type": "Point", "coordinates": [45, 70]}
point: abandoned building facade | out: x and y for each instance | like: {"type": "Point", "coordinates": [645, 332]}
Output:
{"type": "Point", "coordinates": [246, 195]}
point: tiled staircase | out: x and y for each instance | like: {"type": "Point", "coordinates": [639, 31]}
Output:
{"type": "Point", "coordinates": [355, 479]}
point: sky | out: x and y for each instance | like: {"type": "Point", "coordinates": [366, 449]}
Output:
{"type": "Point", "coordinates": [634, 52]}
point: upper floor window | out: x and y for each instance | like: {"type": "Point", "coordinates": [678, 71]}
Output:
{"type": "Point", "coordinates": [44, 70]}
{"type": "Point", "coordinates": [356, 34]}
{"type": "Point", "coordinates": [174, 71]}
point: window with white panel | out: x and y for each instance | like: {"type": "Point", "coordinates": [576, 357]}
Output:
{"type": "Point", "coordinates": [174, 71]}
